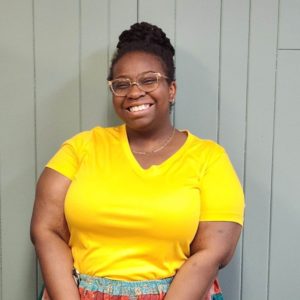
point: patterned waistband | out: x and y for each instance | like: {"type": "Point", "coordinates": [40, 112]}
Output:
{"type": "Point", "coordinates": [104, 289]}
{"type": "Point", "coordinates": [119, 287]}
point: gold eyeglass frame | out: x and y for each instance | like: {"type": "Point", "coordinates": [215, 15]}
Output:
{"type": "Point", "coordinates": [158, 77]}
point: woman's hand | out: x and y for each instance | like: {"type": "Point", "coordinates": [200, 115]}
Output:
{"type": "Point", "coordinates": [211, 249]}
{"type": "Point", "coordinates": [50, 235]}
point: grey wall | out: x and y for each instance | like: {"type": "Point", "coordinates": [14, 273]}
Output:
{"type": "Point", "coordinates": [238, 70]}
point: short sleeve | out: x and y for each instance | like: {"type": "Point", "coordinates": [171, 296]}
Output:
{"type": "Point", "coordinates": [68, 158]}
{"type": "Point", "coordinates": [222, 197]}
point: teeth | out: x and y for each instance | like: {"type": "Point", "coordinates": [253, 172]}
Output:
{"type": "Point", "coordinates": [139, 107]}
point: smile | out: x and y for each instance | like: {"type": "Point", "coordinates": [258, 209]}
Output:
{"type": "Point", "coordinates": [138, 107]}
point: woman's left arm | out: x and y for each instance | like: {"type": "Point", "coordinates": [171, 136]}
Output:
{"type": "Point", "coordinates": [211, 249]}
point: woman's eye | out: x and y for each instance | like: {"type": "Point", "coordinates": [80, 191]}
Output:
{"type": "Point", "coordinates": [148, 80]}
{"type": "Point", "coordinates": [120, 85]}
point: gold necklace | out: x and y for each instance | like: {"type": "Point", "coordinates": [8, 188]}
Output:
{"type": "Point", "coordinates": [165, 143]}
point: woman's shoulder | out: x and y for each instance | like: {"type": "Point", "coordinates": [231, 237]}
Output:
{"type": "Point", "coordinates": [94, 135]}
{"type": "Point", "coordinates": [205, 146]}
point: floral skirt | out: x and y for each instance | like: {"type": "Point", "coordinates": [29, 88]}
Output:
{"type": "Point", "coordinates": [98, 288]}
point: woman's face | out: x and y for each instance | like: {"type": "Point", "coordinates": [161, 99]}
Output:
{"type": "Point", "coordinates": [142, 110]}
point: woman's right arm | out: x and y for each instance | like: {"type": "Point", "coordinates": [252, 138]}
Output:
{"type": "Point", "coordinates": [50, 235]}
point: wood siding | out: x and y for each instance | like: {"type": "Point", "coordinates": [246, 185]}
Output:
{"type": "Point", "coordinates": [238, 76]}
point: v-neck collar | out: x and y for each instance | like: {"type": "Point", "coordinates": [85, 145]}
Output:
{"type": "Point", "coordinates": [154, 169]}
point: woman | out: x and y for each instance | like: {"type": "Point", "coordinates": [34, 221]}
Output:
{"type": "Point", "coordinates": [141, 210]}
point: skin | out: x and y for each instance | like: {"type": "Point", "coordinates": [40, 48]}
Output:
{"type": "Point", "coordinates": [148, 129]}
{"type": "Point", "coordinates": [157, 116]}
{"type": "Point", "coordinates": [50, 235]}
{"type": "Point", "coordinates": [153, 122]}
{"type": "Point", "coordinates": [212, 249]}
{"type": "Point", "coordinates": [214, 242]}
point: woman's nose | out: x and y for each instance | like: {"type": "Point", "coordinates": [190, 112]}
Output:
{"type": "Point", "coordinates": [135, 91]}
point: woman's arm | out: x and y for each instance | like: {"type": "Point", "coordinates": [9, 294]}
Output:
{"type": "Point", "coordinates": [50, 235]}
{"type": "Point", "coordinates": [212, 249]}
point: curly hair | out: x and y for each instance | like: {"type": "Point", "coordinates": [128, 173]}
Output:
{"type": "Point", "coordinates": [148, 38]}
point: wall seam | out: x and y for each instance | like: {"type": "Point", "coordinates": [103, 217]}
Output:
{"type": "Point", "coordinates": [220, 72]}
{"type": "Point", "coordinates": [137, 10]}
{"type": "Point", "coordinates": [246, 142]}
{"type": "Point", "coordinates": [288, 49]}
{"type": "Point", "coordinates": [1, 284]}
{"type": "Point", "coordinates": [80, 62]}
{"type": "Point", "coordinates": [273, 151]}
{"type": "Point", "coordinates": [175, 47]}
{"type": "Point", "coordinates": [108, 3]}
{"type": "Point", "coordinates": [35, 123]}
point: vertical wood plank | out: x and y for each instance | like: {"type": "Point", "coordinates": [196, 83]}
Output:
{"type": "Point", "coordinates": [94, 63]}
{"type": "Point", "coordinates": [260, 115]}
{"type": "Point", "coordinates": [160, 13]}
{"type": "Point", "coordinates": [57, 75]}
{"type": "Point", "coordinates": [17, 177]}
{"type": "Point", "coordinates": [289, 25]}
{"type": "Point", "coordinates": [121, 16]}
{"type": "Point", "coordinates": [233, 79]}
{"type": "Point", "coordinates": [197, 60]}
{"type": "Point", "coordinates": [232, 111]}
{"type": "Point", "coordinates": [285, 231]}
{"type": "Point", "coordinates": [164, 17]}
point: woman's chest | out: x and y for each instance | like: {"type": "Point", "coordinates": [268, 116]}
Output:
{"type": "Point", "coordinates": [121, 200]}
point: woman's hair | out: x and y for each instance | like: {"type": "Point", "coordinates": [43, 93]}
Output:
{"type": "Point", "coordinates": [148, 38]}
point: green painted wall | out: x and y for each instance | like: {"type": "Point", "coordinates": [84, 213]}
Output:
{"type": "Point", "coordinates": [238, 73]}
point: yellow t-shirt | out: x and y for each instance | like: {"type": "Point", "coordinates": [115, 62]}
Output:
{"type": "Point", "coordinates": [130, 223]}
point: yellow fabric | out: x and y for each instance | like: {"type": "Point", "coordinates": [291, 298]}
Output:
{"type": "Point", "coordinates": [130, 223]}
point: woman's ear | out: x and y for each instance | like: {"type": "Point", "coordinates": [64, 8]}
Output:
{"type": "Point", "coordinates": [172, 91]}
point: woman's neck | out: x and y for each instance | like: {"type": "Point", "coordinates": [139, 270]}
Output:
{"type": "Point", "coordinates": [150, 140]}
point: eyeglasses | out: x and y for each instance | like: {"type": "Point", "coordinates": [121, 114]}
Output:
{"type": "Point", "coordinates": [146, 82]}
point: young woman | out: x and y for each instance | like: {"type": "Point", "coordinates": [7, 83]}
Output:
{"type": "Point", "coordinates": [142, 210]}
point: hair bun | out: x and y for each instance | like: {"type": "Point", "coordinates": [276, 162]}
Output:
{"type": "Point", "coordinates": [147, 34]}
{"type": "Point", "coordinates": [148, 38]}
